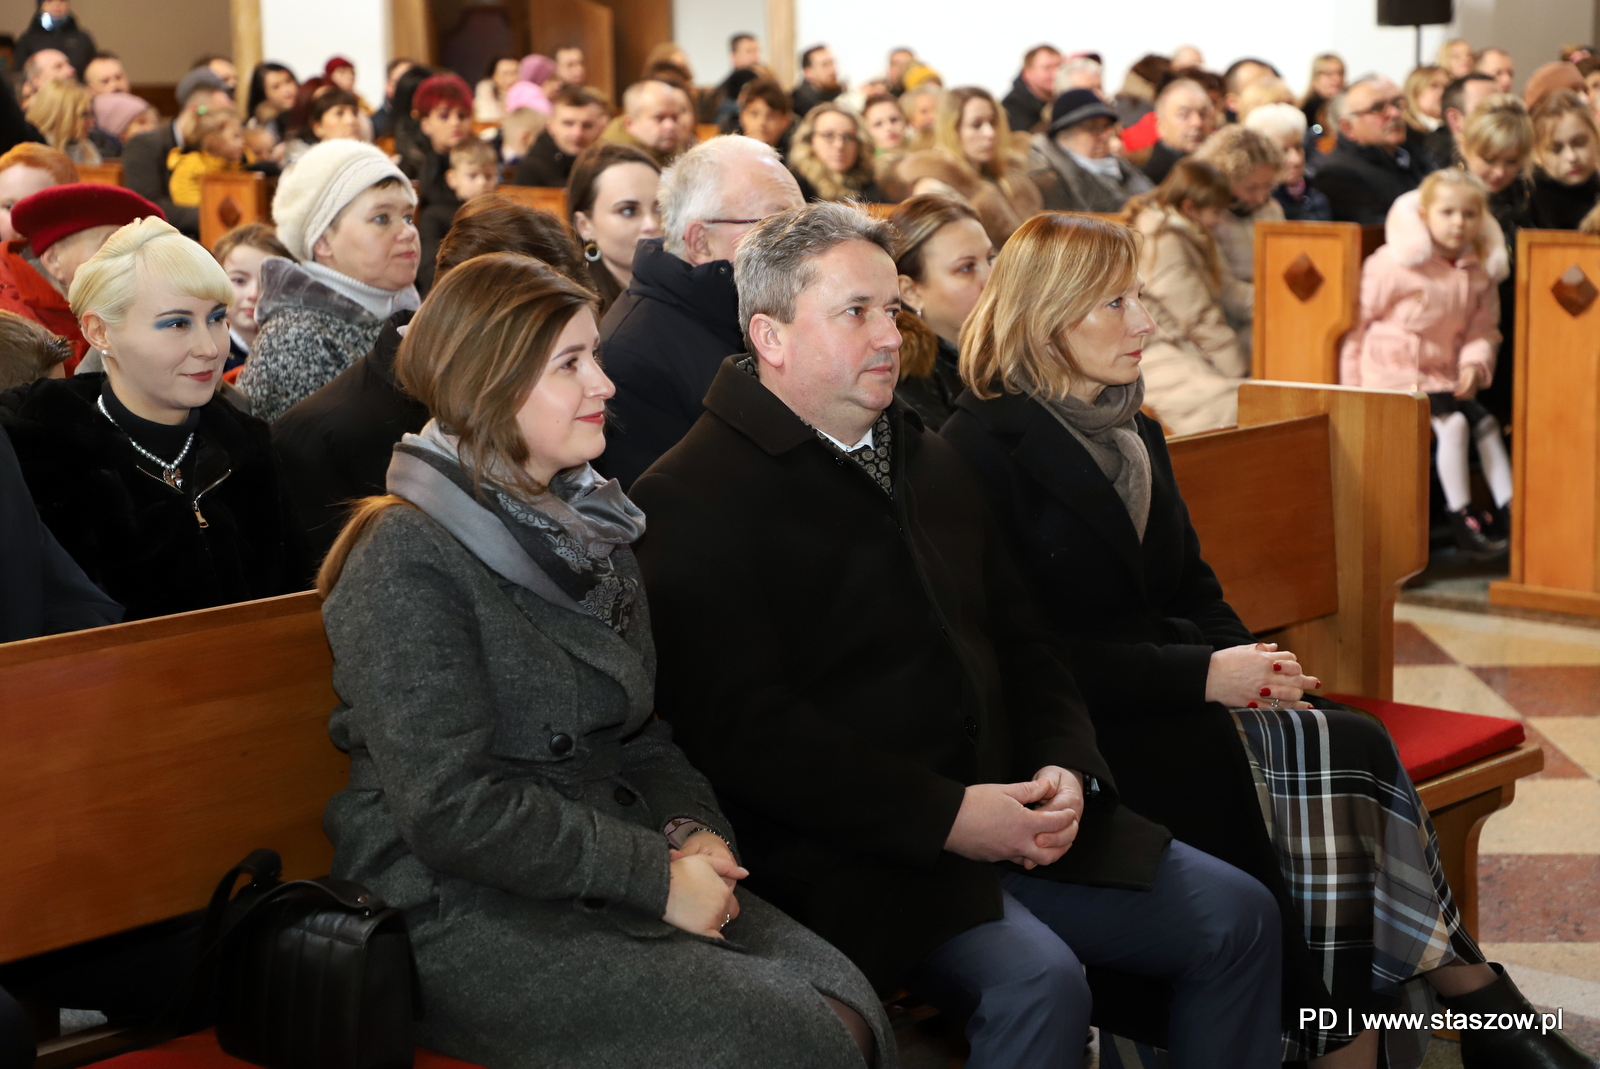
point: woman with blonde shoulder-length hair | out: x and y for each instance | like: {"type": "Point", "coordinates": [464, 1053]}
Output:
{"type": "Point", "coordinates": [1191, 712]}
{"type": "Point", "coordinates": [509, 784]}
{"type": "Point", "coordinates": [832, 157]}
{"type": "Point", "coordinates": [167, 496]}
{"type": "Point", "coordinates": [64, 113]}
{"type": "Point", "coordinates": [973, 157]}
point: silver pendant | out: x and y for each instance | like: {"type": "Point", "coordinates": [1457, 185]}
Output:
{"type": "Point", "coordinates": [173, 478]}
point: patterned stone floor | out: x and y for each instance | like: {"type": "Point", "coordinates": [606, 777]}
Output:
{"type": "Point", "coordinates": [1539, 866]}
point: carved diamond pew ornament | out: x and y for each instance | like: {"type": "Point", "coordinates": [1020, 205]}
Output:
{"type": "Point", "coordinates": [1303, 278]}
{"type": "Point", "coordinates": [1573, 291]}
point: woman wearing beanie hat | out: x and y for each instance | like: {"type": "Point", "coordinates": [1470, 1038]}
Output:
{"type": "Point", "coordinates": [345, 212]}
{"type": "Point", "coordinates": [123, 115]}
{"type": "Point", "coordinates": [165, 495]}
{"type": "Point", "coordinates": [61, 228]}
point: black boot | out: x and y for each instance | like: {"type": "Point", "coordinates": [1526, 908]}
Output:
{"type": "Point", "coordinates": [1514, 1048]}
{"type": "Point", "coordinates": [1500, 523]}
{"type": "Point", "coordinates": [1472, 539]}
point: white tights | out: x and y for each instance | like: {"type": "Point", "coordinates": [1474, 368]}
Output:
{"type": "Point", "coordinates": [1451, 459]}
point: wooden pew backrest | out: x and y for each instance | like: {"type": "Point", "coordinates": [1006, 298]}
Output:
{"type": "Point", "coordinates": [108, 173]}
{"type": "Point", "coordinates": [141, 761]}
{"type": "Point", "coordinates": [1555, 520]}
{"type": "Point", "coordinates": [552, 199]}
{"type": "Point", "coordinates": [1308, 288]}
{"type": "Point", "coordinates": [232, 198]}
{"type": "Point", "coordinates": [1366, 504]}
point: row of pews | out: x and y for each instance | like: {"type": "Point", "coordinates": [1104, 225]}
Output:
{"type": "Point", "coordinates": [1308, 285]}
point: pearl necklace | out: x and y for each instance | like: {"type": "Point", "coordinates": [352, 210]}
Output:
{"type": "Point", "coordinates": [169, 472]}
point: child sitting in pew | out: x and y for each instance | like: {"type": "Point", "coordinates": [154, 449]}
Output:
{"type": "Point", "coordinates": [217, 140]}
{"type": "Point", "coordinates": [1429, 321]}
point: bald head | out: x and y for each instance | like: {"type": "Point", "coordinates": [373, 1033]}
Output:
{"type": "Point", "coordinates": [48, 65]}
{"type": "Point", "coordinates": [1184, 115]}
{"type": "Point", "coordinates": [105, 74]}
{"type": "Point", "coordinates": [653, 114]}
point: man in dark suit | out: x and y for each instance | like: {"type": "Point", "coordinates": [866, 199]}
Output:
{"type": "Point", "coordinates": [848, 654]}
{"type": "Point", "coordinates": [1370, 166]}
{"type": "Point", "coordinates": [144, 158]}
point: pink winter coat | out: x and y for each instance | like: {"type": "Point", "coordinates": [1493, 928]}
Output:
{"type": "Point", "coordinates": [1423, 317]}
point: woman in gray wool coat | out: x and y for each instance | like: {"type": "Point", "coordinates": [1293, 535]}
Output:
{"type": "Point", "coordinates": [570, 883]}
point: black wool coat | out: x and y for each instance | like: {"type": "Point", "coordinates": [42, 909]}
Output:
{"type": "Point", "coordinates": [1362, 181]}
{"type": "Point", "coordinates": [1140, 621]}
{"type": "Point", "coordinates": [138, 539]}
{"type": "Point", "coordinates": [544, 164]}
{"type": "Point", "coordinates": [662, 342]}
{"type": "Point", "coordinates": [145, 171]}
{"type": "Point", "coordinates": [335, 445]}
{"type": "Point", "coordinates": [1558, 206]}
{"type": "Point", "coordinates": [841, 665]}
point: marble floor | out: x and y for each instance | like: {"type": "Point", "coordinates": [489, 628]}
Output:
{"type": "Point", "coordinates": [1539, 861]}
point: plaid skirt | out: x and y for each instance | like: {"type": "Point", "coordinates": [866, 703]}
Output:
{"type": "Point", "coordinates": [1360, 858]}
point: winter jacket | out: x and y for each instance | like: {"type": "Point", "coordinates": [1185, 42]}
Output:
{"type": "Point", "coordinates": [336, 444]}
{"type": "Point", "coordinates": [145, 171]}
{"type": "Point", "coordinates": [544, 165]}
{"type": "Point", "coordinates": [1235, 236]}
{"type": "Point", "coordinates": [1001, 207]}
{"type": "Point", "coordinates": [1362, 181]}
{"type": "Point", "coordinates": [1068, 187]}
{"type": "Point", "coordinates": [26, 291]}
{"type": "Point", "coordinates": [63, 35]}
{"type": "Point", "coordinates": [1422, 317]}
{"type": "Point", "coordinates": [663, 340]}
{"type": "Point", "coordinates": [1160, 162]}
{"type": "Point", "coordinates": [309, 333]}
{"type": "Point", "coordinates": [1558, 206]}
{"type": "Point", "coordinates": [1024, 110]}
{"type": "Point", "coordinates": [1193, 363]}
{"type": "Point", "coordinates": [188, 168]}
{"type": "Point", "coordinates": [1308, 205]}
{"type": "Point", "coordinates": [807, 96]}
{"type": "Point", "coordinates": [225, 536]}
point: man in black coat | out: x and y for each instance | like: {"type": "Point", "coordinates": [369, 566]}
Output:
{"type": "Point", "coordinates": [54, 26]}
{"type": "Point", "coordinates": [665, 337]}
{"type": "Point", "coordinates": [1370, 167]}
{"type": "Point", "coordinates": [848, 654]}
{"type": "Point", "coordinates": [1033, 88]}
{"type": "Point", "coordinates": [42, 589]}
{"type": "Point", "coordinates": [819, 79]}
{"type": "Point", "coordinates": [1185, 117]}
{"type": "Point", "coordinates": [144, 157]}
{"type": "Point", "coordinates": [576, 119]}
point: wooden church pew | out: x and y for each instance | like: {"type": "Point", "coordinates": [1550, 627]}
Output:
{"type": "Point", "coordinates": [1308, 293]}
{"type": "Point", "coordinates": [552, 199]}
{"type": "Point", "coordinates": [1555, 444]}
{"type": "Point", "coordinates": [108, 173]}
{"type": "Point", "coordinates": [232, 198]}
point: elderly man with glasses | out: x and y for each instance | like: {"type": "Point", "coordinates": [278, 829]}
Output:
{"type": "Point", "coordinates": [1372, 165]}
{"type": "Point", "coordinates": [665, 337]}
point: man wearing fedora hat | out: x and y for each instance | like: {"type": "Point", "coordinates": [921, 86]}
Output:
{"type": "Point", "coordinates": [1071, 161]}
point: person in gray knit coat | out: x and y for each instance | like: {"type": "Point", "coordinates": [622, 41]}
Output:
{"type": "Point", "coordinates": [345, 213]}
{"type": "Point", "coordinates": [569, 880]}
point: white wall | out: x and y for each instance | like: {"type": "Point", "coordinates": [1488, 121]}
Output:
{"type": "Point", "coordinates": [304, 34]}
{"type": "Point", "coordinates": [702, 28]}
{"type": "Point", "coordinates": [967, 49]}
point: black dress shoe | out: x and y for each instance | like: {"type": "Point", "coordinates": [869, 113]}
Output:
{"type": "Point", "coordinates": [1472, 537]}
{"type": "Point", "coordinates": [1514, 1047]}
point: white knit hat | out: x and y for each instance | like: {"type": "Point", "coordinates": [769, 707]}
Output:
{"type": "Point", "coordinates": [321, 184]}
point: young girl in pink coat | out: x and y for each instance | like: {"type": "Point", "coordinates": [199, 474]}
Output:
{"type": "Point", "coordinates": [1429, 321]}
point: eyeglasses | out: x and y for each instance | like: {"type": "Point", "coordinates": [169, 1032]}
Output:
{"type": "Point", "coordinates": [735, 222]}
{"type": "Point", "coordinates": [1396, 104]}
{"type": "Point", "coordinates": [831, 138]}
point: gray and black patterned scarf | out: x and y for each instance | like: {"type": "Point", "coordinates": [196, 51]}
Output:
{"type": "Point", "coordinates": [567, 533]}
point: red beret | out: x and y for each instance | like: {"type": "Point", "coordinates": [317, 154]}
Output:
{"type": "Point", "coordinates": [336, 63]}
{"type": "Point", "coordinates": [61, 211]}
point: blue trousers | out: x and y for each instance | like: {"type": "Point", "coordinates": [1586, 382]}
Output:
{"type": "Point", "coordinates": [1205, 926]}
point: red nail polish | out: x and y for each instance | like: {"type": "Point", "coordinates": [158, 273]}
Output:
{"type": "Point", "coordinates": [1319, 684]}
{"type": "Point", "coordinates": [1277, 666]}
{"type": "Point", "coordinates": [1250, 705]}
{"type": "Point", "coordinates": [1266, 692]}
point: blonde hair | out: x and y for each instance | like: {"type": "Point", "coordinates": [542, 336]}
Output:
{"type": "Point", "coordinates": [1053, 272]}
{"type": "Point", "coordinates": [1237, 150]}
{"type": "Point", "coordinates": [148, 248]}
{"type": "Point", "coordinates": [1416, 82]}
{"type": "Point", "coordinates": [828, 183]}
{"type": "Point", "coordinates": [476, 348]}
{"type": "Point", "coordinates": [207, 126]}
{"type": "Point", "coordinates": [1321, 63]}
{"type": "Point", "coordinates": [57, 109]}
{"type": "Point", "coordinates": [947, 133]}
{"type": "Point", "coordinates": [1498, 127]}
{"type": "Point", "coordinates": [1463, 179]}
{"type": "Point", "coordinates": [1443, 58]}
{"type": "Point", "coordinates": [1261, 92]}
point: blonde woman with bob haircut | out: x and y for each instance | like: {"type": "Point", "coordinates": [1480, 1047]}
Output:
{"type": "Point", "coordinates": [974, 158]}
{"type": "Point", "coordinates": [167, 496]}
{"type": "Point", "coordinates": [509, 784]}
{"type": "Point", "coordinates": [1190, 711]}
{"type": "Point", "coordinates": [64, 113]}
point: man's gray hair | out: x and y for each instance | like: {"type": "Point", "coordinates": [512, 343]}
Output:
{"type": "Point", "coordinates": [777, 260]}
{"type": "Point", "coordinates": [692, 188]}
{"type": "Point", "coordinates": [1339, 106]}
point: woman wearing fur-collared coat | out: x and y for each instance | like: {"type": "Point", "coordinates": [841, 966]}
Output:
{"type": "Point", "coordinates": [568, 878]}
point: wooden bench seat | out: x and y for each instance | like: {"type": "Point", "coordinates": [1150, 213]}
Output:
{"type": "Point", "coordinates": [200, 1051]}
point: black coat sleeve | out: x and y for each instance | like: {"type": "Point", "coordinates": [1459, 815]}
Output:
{"type": "Point", "coordinates": [144, 170]}
{"type": "Point", "coordinates": [728, 695]}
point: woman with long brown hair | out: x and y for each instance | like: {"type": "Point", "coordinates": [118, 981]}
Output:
{"type": "Point", "coordinates": [1206, 730]}
{"type": "Point", "coordinates": [570, 880]}
{"type": "Point", "coordinates": [832, 157]}
{"type": "Point", "coordinates": [974, 158]}
{"type": "Point", "coordinates": [611, 206]}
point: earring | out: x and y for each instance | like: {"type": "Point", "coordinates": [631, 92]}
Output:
{"type": "Point", "coordinates": [591, 252]}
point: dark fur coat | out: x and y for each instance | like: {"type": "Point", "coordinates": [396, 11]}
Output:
{"type": "Point", "coordinates": [138, 539]}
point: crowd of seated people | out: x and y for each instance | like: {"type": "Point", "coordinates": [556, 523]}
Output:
{"type": "Point", "coordinates": [720, 405]}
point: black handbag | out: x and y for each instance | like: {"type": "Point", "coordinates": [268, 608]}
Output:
{"type": "Point", "coordinates": [309, 974]}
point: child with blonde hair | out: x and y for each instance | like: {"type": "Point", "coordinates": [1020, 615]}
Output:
{"type": "Point", "coordinates": [216, 141]}
{"type": "Point", "coordinates": [1429, 320]}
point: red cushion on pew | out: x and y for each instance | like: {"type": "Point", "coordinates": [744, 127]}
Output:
{"type": "Point", "coordinates": [1432, 741]}
{"type": "Point", "coordinates": [200, 1051]}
